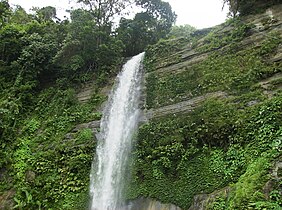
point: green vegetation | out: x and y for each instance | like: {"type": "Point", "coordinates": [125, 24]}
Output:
{"type": "Point", "coordinates": [146, 27]}
{"type": "Point", "coordinates": [246, 7]}
{"type": "Point", "coordinates": [48, 169]}
{"type": "Point", "coordinates": [247, 192]}
{"type": "Point", "coordinates": [234, 72]}
{"type": "Point", "coordinates": [181, 31]}
{"type": "Point", "coordinates": [229, 142]}
{"type": "Point", "coordinates": [178, 157]}
{"type": "Point", "coordinates": [44, 63]}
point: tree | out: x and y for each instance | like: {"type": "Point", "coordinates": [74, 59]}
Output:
{"type": "Point", "coordinates": [103, 11]}
{"type": "Point", "coordinates": [162, 12]}
{"type": "Point", "coordinates": [20, 16]}
{"type": "Point", "coordinates": [87, 48]}
{"type": "Point", "coordinates": [147, 27]}
{"type": "Point", "coordinates": [181, 31]}
{"type": "Point", "coordinates": [245, 7]}
{"type": "Point", "coordinates": [36, 56]}
{"type": "Point", "coordinates": [10, 42]}
{"type": "Point", "coordinates": [45, 13]}
{"type": "Point", "coordinates": [4, 12]}
{"type": "Point", "coordinates": [27, 49]}
{"type": "Point", "coordinates": [137, 33]}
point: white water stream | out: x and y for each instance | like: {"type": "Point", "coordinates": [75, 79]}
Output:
{"type": "Point", "coordinates": [114, 145]}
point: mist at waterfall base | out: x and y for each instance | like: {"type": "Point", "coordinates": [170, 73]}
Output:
{"type": "Point", "coordinates": [118, 124]}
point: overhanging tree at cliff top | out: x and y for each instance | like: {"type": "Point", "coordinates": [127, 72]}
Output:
{"type": "Point", "coordinates": [245, 7]}
{"type": "Point", "coordinates": [103, 11]}
{"type": "Point", "coordinates": [148, 26]}
{"type": "Point", "coordinates": [4, 12]}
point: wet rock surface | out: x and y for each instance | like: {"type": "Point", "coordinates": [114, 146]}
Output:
{"type": "Point", "coordinates": [264, 24]}
{"type": "Point", "coordinates": [150, 204]}
{"type": "Point", "coordinates": [182, 107]}
{"type": "Point", "coordinates": [202, 200]}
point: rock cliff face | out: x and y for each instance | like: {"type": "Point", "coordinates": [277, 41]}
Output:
{"type": "Point", "coordinates": [262, 27]}
{"type": "Point", "coordinates": [193, 89]}
{"type": "Point", "coordinates": [259, 28]}
{"type": "Point", "coordinates": [151, 204]}
{"type": "Point", "coordinates": [197, 97]}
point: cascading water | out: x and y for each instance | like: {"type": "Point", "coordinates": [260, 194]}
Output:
{"type": "Point", "coordinates": [117, 126]}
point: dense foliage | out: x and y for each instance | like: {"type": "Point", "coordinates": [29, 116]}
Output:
{"type": "Point", "coordinates": [227, 143]}
{"type": "Point", "coordinates": [39, 167]}
{"type": "Point", "coordinates": [44, 61]}
{"type": "Point", "coordinates": [146, 27]}
{"type": "Point", "coordinates": [246, 7]}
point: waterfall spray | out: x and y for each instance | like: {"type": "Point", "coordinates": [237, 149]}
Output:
{"type": "Point", "coordinates": [118, 124]}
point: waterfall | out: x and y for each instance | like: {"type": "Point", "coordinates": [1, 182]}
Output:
{"type": "Point", "coordinates": [114, 144]}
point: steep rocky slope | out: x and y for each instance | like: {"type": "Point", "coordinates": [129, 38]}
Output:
{"type": "Point", "coordinates": [211, 132]}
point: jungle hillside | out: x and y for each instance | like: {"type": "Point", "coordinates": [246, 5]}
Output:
{"type": "Point", "coordinates": [211, 132]}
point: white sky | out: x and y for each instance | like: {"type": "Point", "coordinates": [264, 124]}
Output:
{"type": "Point", "coordinates": [198, 13]}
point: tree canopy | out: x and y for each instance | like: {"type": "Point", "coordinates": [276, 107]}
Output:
{"type": "Point", "coordinates": [147, 27]}
{"type": "Point", "coordinates": [245, 7]}
{"type": "Point", "coordinates": [4, 12]}
{"type": "Point", "coordinates": [39, 48]}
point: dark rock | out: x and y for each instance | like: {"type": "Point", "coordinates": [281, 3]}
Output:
{"type": "Point", "coordinates": [69, 136]}
{"type": "Point", "coordinates": [276, 177]}
{"type": "Point", "coordinates": [278, 56]}
{"type": "Point", "coordinates": [3, 171]}
{"type": "Point", "coordinates": [182, 107]}
{"type": "Point", "coordinates": [251, 103]}
{"type": "Point", "coordinates": [277, 171]}
{"type": "Point", "coordinates": [94, 124]}
{"type": "Point", "coordinates": [85, 93]}
{"type": "Point", "coordinates": [6, 199]}
{"type": "Point", "coordinates": [268, 187]}
{"type": "Point", "coordinates": [150, 204]}
{"type": "Point", "coordinates": [30, 176]}
{"type": "Point", "coordinates": [201, 201]}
